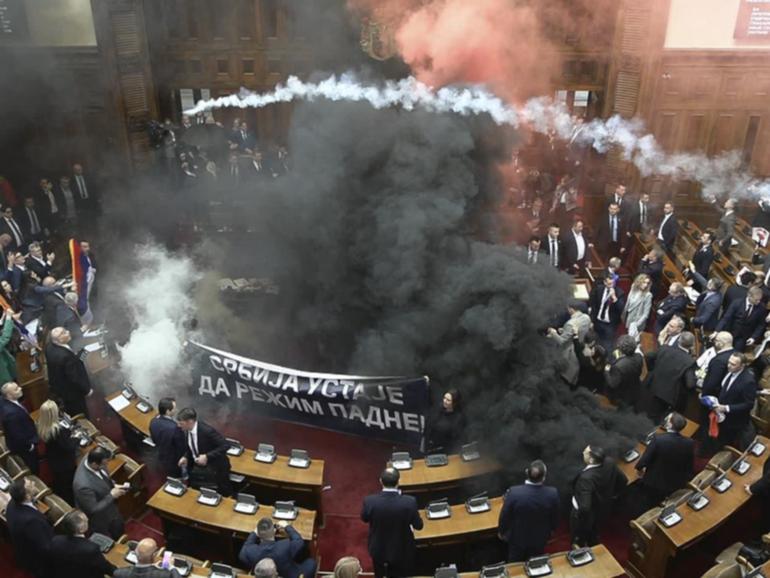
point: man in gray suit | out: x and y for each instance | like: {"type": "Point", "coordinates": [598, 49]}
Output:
{"type": "Point", "coordinates": [145, 554]}
{"type": "Point", "coordinates": [97, 495]}
{"type": "Point", "coordinates": [574, 330]}
{"type": "Point", "coordinates": [726, 226]}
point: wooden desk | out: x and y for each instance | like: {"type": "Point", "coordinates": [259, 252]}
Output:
{"type": "Point", "coordinates": [117, 557]}
{"type": "Point", "coordinates": [665, 542]}
{"type": "Point", "coordinates": [629, 468]}
{"type": "Point", "coordinates": [276, 475]}
{"type": "Point", "coordinates": [603, 566]}
{"type": "Point", "coordinates": [186, 510]}
{"type": "Point", "coordinates": [460, 526]}
{"type": "Point", "coordinates": [421, 478]}
{"type": "Point", "coordinates": [34, 384]}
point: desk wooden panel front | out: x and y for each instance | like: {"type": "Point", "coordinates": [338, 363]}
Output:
{"type": "Point", "coordinates": [604, 565]}
{"type": "Point", "coordinates": [460, 526]}
{"type": "Point", "coordinates": [629, 468]}
{"type": "Point", "coordinates": [185, 509]}
{"type": "Point", "coordinates": [422, 478]}
{"type": "Point", "coordinates": [278, 474]}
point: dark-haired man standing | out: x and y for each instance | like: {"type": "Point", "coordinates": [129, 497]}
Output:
{"type": "Point", "coordinates": [594, 490]}
{"type": "Point", "coordinates": [391, 518]}
{"type": "Point", "coordinates": [97, 495]}
{"type": "Point", "coordinates": [30, 532]}
{"type": "Point", "coordinates": [168, 437]}
{"type": "Point", "coordinates": [205, 454]}
{"type": "Point", "coordinates": [529, 515]}
{"type": "Point", "coordinates": [74, 555]}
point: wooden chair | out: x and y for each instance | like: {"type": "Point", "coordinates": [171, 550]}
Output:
{"type": "Point", "coordinates": [722, 460]}
{"type": "Point", "coordinates": [16, 467]}
{"type": "Point", "coordinates": [57, 509]}
{"type": "Point", "coordinates": [4, 451]}
{"type": "Point", "coordinates": [86, 425]}
{"type": "Point", "coordinates": [724, 571]}
{"type": "Point", "coordinates": [679, 497]}
{"type": "Point", "coordinates": [760, 415]}
{"type": "Point", "coordinates": [41, 489]}
{"type": "Point", "coordinates": [107, 443]}
{"type": "Point", "coordinates": [730, 554]}
{"type": "Point", "coordinates": [703, 479]}
{"type": "Point", "coordinates": [641, 536]}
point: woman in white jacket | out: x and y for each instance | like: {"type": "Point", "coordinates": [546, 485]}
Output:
{"type": "Point", "coordinates": [638, 305]}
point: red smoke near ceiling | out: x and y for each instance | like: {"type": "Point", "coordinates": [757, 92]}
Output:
{"type": "Point", "coordinates": [494, 42]}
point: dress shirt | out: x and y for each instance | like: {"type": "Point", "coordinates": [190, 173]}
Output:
{"type": "Point", "coordinates": [82, 186]}
{"type": "Point", "coordinates": [580, 243]}
{"type": "Point", "coordinates": [727, 383]}
{"type": "Point", "coordinates": [14, 227]}
{"type": "Point", "coordinates": [749, 308]}
{"type": "Point", "coordinates": [69, 201]}
{"type": "Point", "coordinates": [54, 207]}
{"type": "Point", "coordinates": [614, 227]}
{"type": "Point", "coordinates": [554, 251]}
{"type": "Point", "coordinates": [604, 309]}
{"type": "Point", "coordinates": [192, 440]}
{"type": "Point", "coordinates": [585, 469]}
{"type": "Point", "coordinates": [531, 256]}
{"type": "Point", "coordinates": [663, 224]}
{"type": "Point", "coordinates": [34, 223]}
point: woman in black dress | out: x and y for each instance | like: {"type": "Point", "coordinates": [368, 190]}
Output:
{"type": "Point", "coordinates": [60, 449]}
{"type": "Point", "coordinates": [446, 427]}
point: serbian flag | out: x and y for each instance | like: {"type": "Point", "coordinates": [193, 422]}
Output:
{"type": "Point", "coordinates": [80, 266]}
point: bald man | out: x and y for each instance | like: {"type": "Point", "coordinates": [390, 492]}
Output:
{"type": "Point", "coordinates": [145, 556]}
{"type": "Point", "coordinates": [67, 375]}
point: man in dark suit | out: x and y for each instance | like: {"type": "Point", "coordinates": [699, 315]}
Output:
{"type": "Point", "coordinates": [736, 399]}
{"type": "Point", "coordinates": [50, 205]}
{"type": "Point", "coordinates": [205, 453]}
{"type": "Point", "coordinates": [703, 258]}
{"type": "Point", "coordinates": [18, 426]}
{"type": "Point", "coordinates": [552, 247]}
{"type": "Point", "coordinates": [593, 491]}
{"type": "Point", "coordinates": [745, 319]}
{"type": "Point", "coordinates": [618, 197]}
{"type": "Point", "coordinates": [144, 568]}
{"type": "Point", "coordinates": [67, 375]}
{"type": "Point", "coordinates": [668, 228]}
{"type": "Point", "coordinates": [11, 226]}
{"type": "Point", "coordinates": [707, 306]}
{"type": "Point", "coordinates": [576, 246]}
{"type": "Point", "coordinates": [623, 373]}
{"type": "Point", "coordinates": [534, 254]}
{"type": "Point", "coordinates": [652, 265]}
{"type": "Point", "coordinates": [75, 556]}
{"type": "Point", "coordinates": [262, 544]}
{"type": "Point", "coordinates": [761, 489]}
{"type": "Point", "coordinates": [671, 375]}
{"type": "Point", "coordinates": [97, 495]}
{"type": "Point", "coordinates": [668, 462]}
{"type": "Point", "coordinates": [529, 515]}
{"type": "Point", "coordinates": [31, 222]}
{"type": "Point", "coordinates": [726, 227]}
{"type": "Point", "coordinates": [639, 215]}
{"type": "Point", "coordinates": [41, 265]}
{"type": "Point", "coordinates": [532, 217]}
{"type": "Point", "coordinates": [611, 234]}
{"type": "Point", "coordinates": [739, 290]}
{"type": "Point", "coordinates": [675, 303]}
{"type": "Point", "coordinates": [391, 518]}
{"type": "Point", "coordinates": [168, 437]}
{"type": "Point", "coordinates": [29, 530]}
{"type": "Point", "coordinates": [85, 189]}
{"type": "Point", "coordinates": [606, 303]}
{"type": "Point", "coordinates": [712, 384]}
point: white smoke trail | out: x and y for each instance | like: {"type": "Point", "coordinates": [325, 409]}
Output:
{"type": "Point", "coordinates": [159, 299]}
{"type": "Point", "coordinates": [723, 175]}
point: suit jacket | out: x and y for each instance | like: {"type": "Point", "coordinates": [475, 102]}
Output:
{"type": "Point", "coordinates": [76, 557]}
{"type": "Point", "coordinates": [391, 517]}
{"type": "Point", "coordinates": [25, 221]}
{"type": "Point", "coordinates": [604, 233]}
{"type": "Point", "coordinates": [702, 259]}
{"type": "Point", "coordinates": [170, 441]}
{"type": "Point", "coordinates": [633, 216]}
{"type": "Point", "coordinates": [669, 231]}
{"type": "Point", "coordinates": [6, 228]}
{"type": "Point", "coordinates": [726, 227]}
{"type": "Point", "coordinates": [570, 251]}
{"type": "Point", "coordinates": [637, 309]}
{"type": "Point", "coordinates": [61, 452]}
{"type": "Point", "coordinates": [669, 307]}
{"type": "Point", "coordinates": [214, 445]}
{"type": "Point", "coordinates": [594, 490]}
{"type": "Point", "coordinates": [42, 270]}
{"type": "Point", "coordinates": [67, 378]}
{"type": "Point", "coordinates": [529, 515]}
{"type": "Point", "coordinates": [762, 486]}
{"type": "Point", "coordinates": [545, 246]}
{"type": "Point", "coordinates": [92, 495]}
{"type": "Point", "coordinates": [574, 329]}
{"type": "Point", "coordinates": [282, 552]}
{"type": "Point", "coordinates": [707, 310]}
{"type": "Point", "coordinates": [624, 379]}
{"type": "Point", "coordinates": [18, 427]}
{"type": "Point", "coordinates": [669, 462]}
{"type": "Point", "coordinates": [44, 207]}
{"type": "Point", "coordinates": [740, 399]}
{"type": "Point", "coordinates": [740, 324]}
{"type": "Point", "coordinates": [671, 373]}
{"type": "Point", "coordinates": [91, 190]}
{"type": "Point", "coordinates": [734, 293]}
{"type": "Point", "coordinates": [595, 303]}
{"type": "Point", "coordinates": [715, 373]}
{"type": "Point", "coordinates": [51, 302]}
{"type": "Point", "coordinates": [30, 535]}
{"type": "Point", "coordinates": [145, 572]}
{"type": "Point", "coordinates": [655, 272]}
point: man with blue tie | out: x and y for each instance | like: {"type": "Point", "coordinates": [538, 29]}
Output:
{"type": "Point", "coordinates": [745, 319]}
{"type": "Point", "coordinates": [736, 399]}
{"type": "Point", "coordinates": [529, 515]}
{"type": "Point", "coordinates": [19, 428]}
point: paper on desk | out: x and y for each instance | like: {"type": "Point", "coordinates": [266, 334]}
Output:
{"type": "Point", "coordinates": [119, 403]}
{"type": "Point", "coordinates": [91, 347]}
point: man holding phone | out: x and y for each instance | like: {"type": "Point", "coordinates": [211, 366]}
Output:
{"type": "Point", "coordinates": [262, 543]}
{"type": "Point", "coordinates": [97, 495]}
{"type": "Point", "coordinates": [145, 556]}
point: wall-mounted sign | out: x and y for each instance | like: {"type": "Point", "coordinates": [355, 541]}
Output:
{"type": "Point", "coordinates": [753, 23]}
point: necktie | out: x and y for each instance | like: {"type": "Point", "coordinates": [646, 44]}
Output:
{"type": "Point", "coordinates": [193, 444]}
{"type": "Point", "coordinates": [614, 224]}
{"type": "Point", "coordinates": [34, 223]}
{"type": "Point", "coordinates": [605, 306]}
{"type": "Point", "coordinates": [749, 309]}
{"type": "Point", "coordinates": [531, 256]}
{"type": "Point", "coordinates": [16, 231]}
{"type": "Point", "coordinates": [82, 187]}
{"type": "Point", "coordinates": [643, 215]}
{"type": "Point", "coordinates": [554, 256]}
{"type": "Point", "coordinates": [727, 382]}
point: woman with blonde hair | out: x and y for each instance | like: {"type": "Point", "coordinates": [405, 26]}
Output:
{"type": "Point", "coordinates": [638, 305]}
{"type": "Point", "coordinates": [60, 449]}
{"type": "Point", "coordinates": [347, 567]}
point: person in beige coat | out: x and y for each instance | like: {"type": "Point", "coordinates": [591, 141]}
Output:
{"type": "Point", "coordinates": [572, 332]}
{"type": "Point", "coordinates": [638, 305]}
